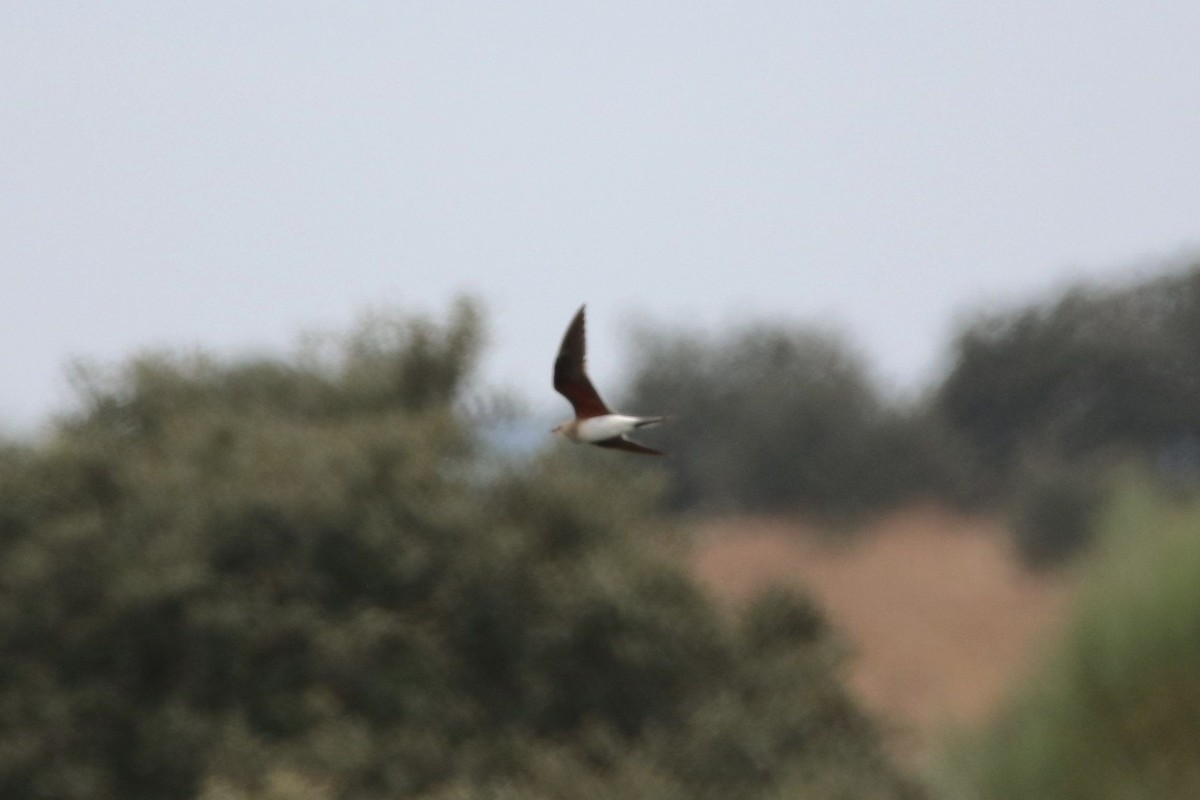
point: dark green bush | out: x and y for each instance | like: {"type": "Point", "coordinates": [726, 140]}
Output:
{"type": "Point", "coordinates": [1055, 511]}
{"type": "Point", "coordinates": [304, 579]}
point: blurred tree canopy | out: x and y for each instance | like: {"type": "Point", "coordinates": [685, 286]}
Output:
{"type": "Point", "coordinates": [775, 418]}
{"type": "Point", "coordinates": [1049, 396]}
{"type": "Point", "coordinates": [303, 578]}
{"type": "Point", "coordinates": [1095, 369]}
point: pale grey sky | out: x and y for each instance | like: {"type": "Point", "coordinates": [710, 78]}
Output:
{"type": "Point", "coordinates": [230, 174]}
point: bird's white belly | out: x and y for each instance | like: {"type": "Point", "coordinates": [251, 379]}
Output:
{"type": "Point", "coordinates": [597, 429]}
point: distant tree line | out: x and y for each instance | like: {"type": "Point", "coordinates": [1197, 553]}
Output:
{"type": "Point", "coordinates": [1093, 370]}
{"type": "Point", "coordinates": [1034, 402]}
{"type": "Point", "coordinates": [783, 418]}
{"type": "Point", "coordinates": [1050, 396]}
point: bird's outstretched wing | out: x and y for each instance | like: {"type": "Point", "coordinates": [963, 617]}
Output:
{"type": "Point", "coordinates": [570, 372]}
{"type": "Point", "coordinates": [621, 443]}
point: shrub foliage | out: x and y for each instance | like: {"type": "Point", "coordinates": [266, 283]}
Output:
{"type": "Point", "coordinates": [1114, 713]}
{"type": "Point", "coordinates": [303, 578]}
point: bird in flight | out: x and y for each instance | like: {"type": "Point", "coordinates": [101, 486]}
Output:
{"type": "Point", "coordinates": [594, 422]}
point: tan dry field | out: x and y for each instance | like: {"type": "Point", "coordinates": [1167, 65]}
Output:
{"type": "Point", "coordinates": [941, 619]}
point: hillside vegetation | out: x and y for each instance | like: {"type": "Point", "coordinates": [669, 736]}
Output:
{"type": "Point", "coordinates": [1114, 713]}
{"type": "Point", "coordinates": [303, 578]}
